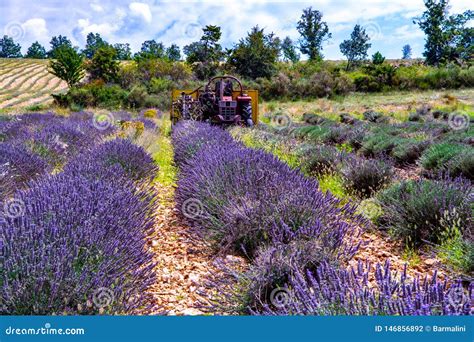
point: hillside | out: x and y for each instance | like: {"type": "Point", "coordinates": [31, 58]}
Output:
{"type": "Point", "coordinates": [27, 83]}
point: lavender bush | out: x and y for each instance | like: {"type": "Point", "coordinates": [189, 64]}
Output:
{"type": "Point", "coordinates": [331, 290]}
{"type": "Point", "coordinates": [364, 177]}
{"type": "Point", "coordinates": [421, 210]}
{"type": "Point", "coordinates": [75, 237]}
{"type": "Point", "coordinates": [17, 167]}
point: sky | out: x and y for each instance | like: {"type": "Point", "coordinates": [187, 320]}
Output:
{"type": "Point", "coordinates": [389, 23]}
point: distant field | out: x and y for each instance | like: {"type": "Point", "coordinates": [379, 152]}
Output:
{"type": "Point", "coordinates": [27, 83]}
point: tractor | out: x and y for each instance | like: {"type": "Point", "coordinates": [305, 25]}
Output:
{"type": "Point", "coordinates": [223, 101]}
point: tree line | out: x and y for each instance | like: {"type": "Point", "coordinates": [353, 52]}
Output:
{"type": "Point", "coordinates": [448, 39]}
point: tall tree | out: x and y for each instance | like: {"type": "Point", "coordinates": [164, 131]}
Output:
{"type": "Point", "coordinates": [36, 50]}
{"type": "Point", "coordinates": [205, 54]}
{"type": "Point", "coordinates": [460, 37]}
{"type": "Point", "coordinates": [93, 43]}
{"type": "Point", "coordinates": [123, 50]}
{"type": "Point", "coordinates": [8, 48]}
{"type": "Point", "coordinates": [57, 42]}
{"type": "Point", "coordinates": [151, 49]}
{"type": "Point", "coordinates": [173, 53]}
{"type": "Point", "coordinates": [67, 65]}
{"type": "Point", "coordinates": [104, 65]}
{"type": "Point", "coordinates": [255, 56]}
{"type": "Point", "coordinates": [431, 22]}
{"type": "Point", "coordinates": [313, 33]}
{"type": "Point", "coordinates": [289, 50]}
{"type": "Point", "coordinates": [406, 51]}
{"type": "Point", "coordinates": [378, 58]}
{"type": "Point", "coordinates": [355, 49]}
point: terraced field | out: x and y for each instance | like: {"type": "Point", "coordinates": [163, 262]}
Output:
{"type": "Point", "coordinates": [26, 83]}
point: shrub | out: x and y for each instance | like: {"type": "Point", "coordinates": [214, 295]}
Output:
{"type": "Point", "coordinates": [189, 137]}
{"type": "Point", "coordinates": [134, 162]}
{"type": "Point", "coordinates": [372, 116]}
{"type": "Point", "coordinates": [408, 151]}
{"type": "Point", "coordinates": [331, 290]}
{"type": "Point", "coordinates": [317, 160]}
{"type": "Point", "coordinates": [17, 167]}
{"type": "Point", "coordinates": [247, 198]}
{"type": "Point", "coordinates": [439, 155]}
{"type": "Point", "coordinates": [364, 177]}
{"type": "Point", "coordinates": [90, 237]}
{"type": "Point", "coordinates": [422, 210]}
{"type": "Point", "coordinates": [462, 164]}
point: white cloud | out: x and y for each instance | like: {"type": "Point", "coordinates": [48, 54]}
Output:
{"type": "Point", "coordinates": [97, 7]}
{"type": "Point", "coordinates": [408, 32]}
{"type": "Point", "coordinates": [141, 9]}
{"type": "Point", "coordinates": [35, 28]}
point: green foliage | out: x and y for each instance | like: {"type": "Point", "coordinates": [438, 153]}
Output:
{"type": "Point", "coordinates": [356, 48]}
{"type": "Point", "coordinates": [423, 210]}
{"type": "Point", "coordinates": [94, 42]}
{"type": "Point", "coordinates": [289, 50]}
{"type": "Point", "coordinates": [68, 65]}
{"type": "Point", "coordinates": [8, 48]}
{"type": "Point", "coordinates": [406, 51]}
{"type": "Point", "coordinates": [124, 53]}
{"type": "Point", "coordinates": [377, 58]}
{"type": "Point", "coordinates": [313, 33]}
{"type": "Point", "coordinates": [151, 49]}
{"type": "Point", "coordinates": [36, 50]}
{"type": "Point", "coordinates": [255, 56]}
{"type": "Point", "coordinates": [56, 43]}
{"type": "Point", "coordinates": [439, 155]}
{"type": "Point", "coordinates": [104, 65]}
{"type": "Point", "coordinates": [456, 251]}
{"type": "Point", "coordinates": [447, 37]}
{"type": "Point", "coordinates": [173, 53]}
{"type": "Point", "coordinates": [205, 54]}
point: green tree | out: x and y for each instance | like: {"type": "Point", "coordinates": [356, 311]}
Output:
{"type": "Point", "coordinates": [123, 50]}
{"type": "Point", "coordinates": [93, 43]}
{"type": "Point", "coordinates": [151, 49]}
{"type": "Point", "coordinates": [406, 51]}
{"type": "Point", "coordinates": [289, 50]}
{"type": "Point", "coordinates": [355, 49]}
{"type": "Point", "coordinates": [205, 54]}
{"type": "Point", "coordinates": [377, 58]}
{"type": "Point", "coordinates": [313, 33]}
{"type": "Point", "coordinates": [173, 53]}
{"type": "Point", "coordinates": [57, 42]}
{"type": "Point", "coordinates": [67, 65]}
{"type": "Point", "coordinates": [104, 65]}
{"type": "Point", "coordinates": [36, 50]}
{"type": "Point", "coordinates": [256, 55]}
{"type": "Point", "coordinates": [447, 37]}
{"type": "Point", "coordinates": [8, 48]}
{"type": "Point", "coordinates": [460, 38]}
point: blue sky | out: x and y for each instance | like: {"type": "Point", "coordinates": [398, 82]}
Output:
{"type": "Point", "coordinates": [389, 22]}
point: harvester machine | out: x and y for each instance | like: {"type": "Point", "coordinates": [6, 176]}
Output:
{"type": "Point", "coordinates": [222, 101]}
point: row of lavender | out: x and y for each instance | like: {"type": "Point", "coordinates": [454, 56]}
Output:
{"type": "Point", "coordinates": [295, 237]}
{"type": "Point", "coordinates": [76, 210]}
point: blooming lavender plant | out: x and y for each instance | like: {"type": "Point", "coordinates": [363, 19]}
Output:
{"type": "Point", "coordinates": [331, 290]}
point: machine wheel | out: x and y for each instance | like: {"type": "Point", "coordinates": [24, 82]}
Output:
{"type": "Point", "coordinates": [247, 114]}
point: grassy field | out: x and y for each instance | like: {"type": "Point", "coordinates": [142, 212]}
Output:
{"type": "Point", "coordinates": [27, 84]}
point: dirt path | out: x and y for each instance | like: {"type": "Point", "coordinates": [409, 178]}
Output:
{"type": "Point", "coordinates": [182, 262]}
